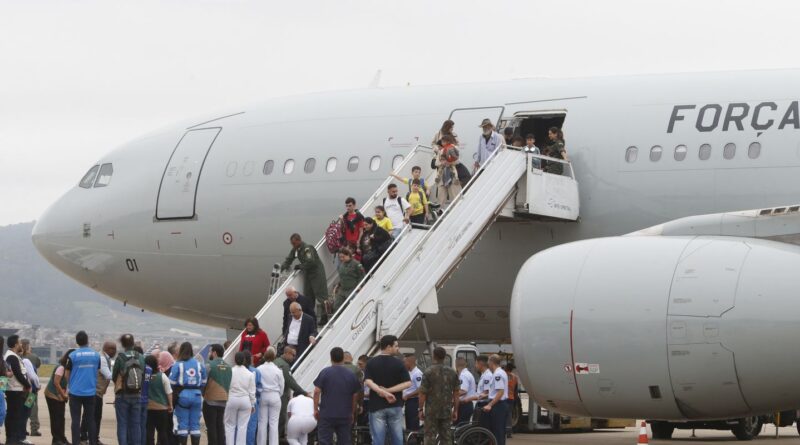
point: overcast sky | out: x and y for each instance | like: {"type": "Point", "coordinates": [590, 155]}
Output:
{"type": "Point", "coordinates": [78, 78]}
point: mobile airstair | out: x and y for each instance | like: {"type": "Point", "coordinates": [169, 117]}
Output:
{"type": "Point", "coordinates": [405, 281]}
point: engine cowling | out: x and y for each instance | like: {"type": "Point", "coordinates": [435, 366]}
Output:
{"type": "Point", "coordinates": [668, 328]}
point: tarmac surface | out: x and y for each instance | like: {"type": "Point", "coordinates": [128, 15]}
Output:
{"type": "Point", "coordinates": [627, 436]}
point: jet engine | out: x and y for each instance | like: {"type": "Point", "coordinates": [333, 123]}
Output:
{"type": "Point", "coordinates": [669, 328]}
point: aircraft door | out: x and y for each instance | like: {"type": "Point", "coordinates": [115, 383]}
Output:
{"type": "Point", "coordinates": [177, 194]}
{"type": "Point", "coordinates": [467, 127]}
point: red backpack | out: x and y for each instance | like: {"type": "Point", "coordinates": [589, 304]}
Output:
{"type": "Point", "coordinates": [334, 236]}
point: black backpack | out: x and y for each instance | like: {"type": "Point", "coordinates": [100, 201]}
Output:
{"type": "Point", "coordinates": [132, 374]}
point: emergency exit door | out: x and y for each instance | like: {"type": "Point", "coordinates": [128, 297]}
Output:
{"type": "Point", "coordinates": [177, 195]}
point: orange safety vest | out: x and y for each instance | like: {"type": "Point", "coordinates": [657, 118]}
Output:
{"type": "Point", "coordinates": [512, 386]}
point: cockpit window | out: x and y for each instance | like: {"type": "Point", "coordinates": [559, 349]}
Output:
{"type": "Point", "coordinates": [104, 177]}
{"type": "Point", "coordinates": [88, 178]}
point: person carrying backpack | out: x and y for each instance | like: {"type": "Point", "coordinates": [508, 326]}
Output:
{"type": "Point", "coordinates": [419, 203]}
{"type": "Point", "coordinates": [128, 377]}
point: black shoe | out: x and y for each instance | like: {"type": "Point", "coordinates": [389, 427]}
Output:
{"type": "Point", "coordinates": [35, 434]}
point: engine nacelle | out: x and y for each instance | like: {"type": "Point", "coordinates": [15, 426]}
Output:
{"type": "Point", "coordinates": [656, 327]}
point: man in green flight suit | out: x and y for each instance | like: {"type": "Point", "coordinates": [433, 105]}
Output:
{"type": "Point", "coordinates": [438, 400]}
{"type": "Point", "coordinates": [284, 363]}
{"type": "Point", "coordinates": [315, 284]}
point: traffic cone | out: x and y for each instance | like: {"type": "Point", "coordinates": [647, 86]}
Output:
{"type": "Point", "coordinates": [643, 434]}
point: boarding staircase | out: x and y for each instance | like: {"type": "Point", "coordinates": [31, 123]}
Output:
{"type": "Point", "coordinates": [405, 281]}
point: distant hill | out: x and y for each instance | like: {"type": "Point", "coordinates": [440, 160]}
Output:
{"type": "Point", "coordinates": [34, 292]}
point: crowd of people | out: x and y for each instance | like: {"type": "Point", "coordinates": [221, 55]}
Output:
{"type": "Point", "coordinates": [160, 397]}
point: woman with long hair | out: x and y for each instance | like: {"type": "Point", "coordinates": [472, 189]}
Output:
{"type": "Point", "coordinates": [55, 394]}
{"type": "Point", "coordinates": [254, 339]}
{"type": "Point", "coordinates": [241, 402]}
{"type": "Point", "coordinates": [555, 149]}
{"type": "Point", "coordinates": [187, 379]}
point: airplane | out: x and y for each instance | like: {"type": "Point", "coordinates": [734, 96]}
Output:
{"type": "Point", "coordinates": [645, 150]}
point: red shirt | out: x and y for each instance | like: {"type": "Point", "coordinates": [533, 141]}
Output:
{"type": "Point", "coordinates": [257, 343]}
{"type": "Point", "coordinates": [351, 236]}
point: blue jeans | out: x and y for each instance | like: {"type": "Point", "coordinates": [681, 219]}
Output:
{"type": "Point", "coordinates": [129, 420]}
{"type": "Point", "coordinates": [387, 422]}
{"type": "Point", "coordinates": [143, 437]}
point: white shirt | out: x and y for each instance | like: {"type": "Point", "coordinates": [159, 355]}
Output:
{"type": "Point", "coordinates": [467, 381]}
{"type": "Point", "coordinates": [485, 383]}
{"type": "Point", "coordinates": [166, 384]}
{"type": "Point", "coordinates": [416, 380]}
{"type": "Point", "coordinates": [485, 149]}
{"type": "Point", "coordinates": [294, 331]}
{"type": "Point", "coordinates": [396, 212]}
{"type": "Point", "coordinates": [499, 381]}
{"type": "Point", "coordinates": [33, 379]}
{"type": "Point", "coordinates": [105, 371]}
{"type": "Point", "coordinates": [301, 406]}
{"type": "Point", "coordinates": [243, 384]}
{"type": "Point", "coordinates": [271, 378]}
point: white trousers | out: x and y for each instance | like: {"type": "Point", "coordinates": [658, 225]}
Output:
{"type": "Point", "coordinates": [298, 427]}
{"type": "Point", "coordinates": [237, 414]}
{"type": "Point", "coordinates": [269, 411]}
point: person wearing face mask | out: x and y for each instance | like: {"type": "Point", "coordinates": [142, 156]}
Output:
{"type": "Point", "coordinates": [488, 142]}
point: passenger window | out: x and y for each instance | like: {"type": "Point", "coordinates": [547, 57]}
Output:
{"type": "Point", "coordinates": [230, 171]}
{"type": "Point", "coordinates": [680, 152]}
{"type": "Point", "coordinates": [729, 151]}
{"type": "Point", "coordinates": [655, 153]}
{"type": "Point", "coordinates": [310, 164]}
{"type": "Point", "coordinates": [104, 177]}
{"type": "Point", "coordinates": [268, 167]}
{"type": "Point", "coordinates": [631, 154]}
{"type": "Point", "coordinates": [248, 168]}
{"type": "Point", "coordinates": [375, 163]}
{"type": "Point", "coordinates": [352, 164]}
{"type": "Point", "coordinates": [754, 150]}
{"type": "Point", "coordinates": [288, 166]}
{"type": "Point", "coordinates": [705, 152]}
{"type": "Point", "coordinates": [88, 178]}
{"type": "Point", "coordinates": [330, 166]}
{"type": "Point", "coordinates": [396, 161]}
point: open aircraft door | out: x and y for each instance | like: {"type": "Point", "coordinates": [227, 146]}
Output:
{"type": "Point", "coordinates": [177, 194]}
{"type": "Point", "coordinates": [468, 121]}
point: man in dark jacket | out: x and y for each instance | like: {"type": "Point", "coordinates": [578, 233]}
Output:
{"type": "Point", "coordinates": [315, 282]}
{"type": "Point", "coordinates": [306, 303]}
{"type": "Point", "coordinates": [284, 362]}
{"type": "Point", "coordinates": [301, 329]}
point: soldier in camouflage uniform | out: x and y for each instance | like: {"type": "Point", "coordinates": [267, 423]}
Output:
{"type": "Point", "coordinates": [315, 284]}
{"type": "Point", "coordinates": [350, 274]}
{"type": "Point", "coordinates": [438, 394]}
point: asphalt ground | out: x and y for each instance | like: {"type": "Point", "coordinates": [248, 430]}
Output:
{"type": "Point", "coordinates": [627, 436]}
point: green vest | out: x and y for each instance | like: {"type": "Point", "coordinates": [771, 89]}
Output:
{"type": "Point", "coordinates": [219, 381]}
{"type": "Point", "coordinates": [156, 396]}
{"type": "Point", "coordinates": [51, 385]}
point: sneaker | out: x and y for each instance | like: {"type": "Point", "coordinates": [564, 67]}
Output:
{"type": "Point", "coordinates": [26, 442]}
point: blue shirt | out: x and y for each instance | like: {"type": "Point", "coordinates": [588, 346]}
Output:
{"type": "Point", "coordinates": [83, 364]}
{"type": "Point", "coordinates": [187, 374]}
{"type": "Point", "coordinates": [148, 372]}
{"type": "Point", "coordinates": [338, 384]}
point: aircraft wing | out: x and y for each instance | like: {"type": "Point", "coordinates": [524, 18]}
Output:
{"type": "Point", "coordinates": [776, 223]}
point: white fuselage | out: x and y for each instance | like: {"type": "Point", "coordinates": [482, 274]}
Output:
{"type": "Point", "coordinates": [187, 269]}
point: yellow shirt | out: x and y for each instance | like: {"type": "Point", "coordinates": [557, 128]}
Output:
{"type": "Point", "coordinates": [418, 202]}
{"type": "Point", "coordinates": [385, 224]}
